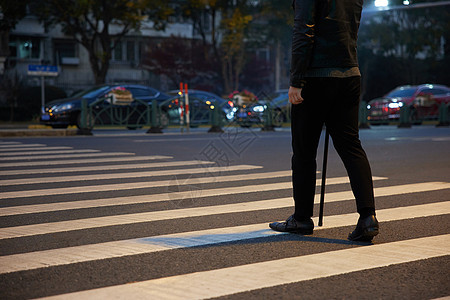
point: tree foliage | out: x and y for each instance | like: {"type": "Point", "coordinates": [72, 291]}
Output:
{"type": "Point", "coordinates": [90, 23]}
{"type": "Point", "coordinates": [403, 46]}
{"type": "Point", "coordinates": [179, 59]}
{"type": "Point", "coordinates": [11, 12]}
{"type": "Point", "coordinates": [223, 27]}
{"type": "Point", "coordinates": [233, 47]}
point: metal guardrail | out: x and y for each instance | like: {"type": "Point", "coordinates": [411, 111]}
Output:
{"type": "Point", "coordinates": [444, 115]}
{"type": "Point", "coordinates": [104, 112]}
{"type": "Point", "coordinates": [156, 115]}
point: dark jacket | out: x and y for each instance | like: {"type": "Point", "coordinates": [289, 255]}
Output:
{"type": "Point", "coordinates": [324, 36]}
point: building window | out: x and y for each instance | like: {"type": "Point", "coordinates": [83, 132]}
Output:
{"type": "Point", "coordinates": [65, 52]}
{"type": "Point", "coordinates": [118, 52]}
{"type": "Point", "coordinates": [131, 51]}
{"type": "Point", "coordinates": [25, 47]}
{"type": "Point", "coordinates": [263, 54]}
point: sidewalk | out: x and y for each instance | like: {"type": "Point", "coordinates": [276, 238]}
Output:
{"type": "Point", "coordinates": [35, 130]}
{"type": "Point", "coordinates": [23, 129]}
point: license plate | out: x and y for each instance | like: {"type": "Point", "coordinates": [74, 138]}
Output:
{"type": "Point", "coordinates": [376, 113]}
{"type": "Point", "coordinates": [45, 117]}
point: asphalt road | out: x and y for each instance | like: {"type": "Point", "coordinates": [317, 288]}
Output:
{"type": "Point", "coordinates": [125, 214]}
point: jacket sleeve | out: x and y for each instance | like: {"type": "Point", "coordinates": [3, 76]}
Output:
{"type": "Point", "coordinates": [302, 40]}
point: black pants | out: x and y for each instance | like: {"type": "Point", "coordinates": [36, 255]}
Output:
{"type": "Point", "coordinates": [335, 102]}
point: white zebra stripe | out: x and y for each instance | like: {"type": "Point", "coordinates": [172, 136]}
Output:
{"type": "Point", "coordinates": [52, 162]}
{"type": "Point", "coordinates": [204, 170]}
{"type": "Point", "coordinates": [228, 281]}
{"type": "Point", "coordinates": [122, 167]}
{"type": "Point", "coordinates": [17, 144]}
{"type": "Point", "coordinates": [151, 184]}
{"type": "Point", "coordinates": [91, 252]}
{"type": "Point", "coordinates": [52, 157]}
{"type": "Point", "coordinates": [65, 226]}
{"type": "Point", "coordinates": [10, 149]}
{"type": "Point", "coordinates": [198, 192]}
{"type": "Point", "coordinates": [39, 154]}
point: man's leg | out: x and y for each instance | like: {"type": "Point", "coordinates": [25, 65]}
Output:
{"type": "Point", "coordinates": [342, 122]}
{"type": "Point", "coordinates": [307, 121]}
{"type": "Point", "coordinates": [306, 127]}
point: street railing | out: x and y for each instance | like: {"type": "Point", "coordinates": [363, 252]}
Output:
{"type": "Point", "coordinates": [269, 115]}
{"type": "Point", "coordinates": [156, 115]}
{"type": "Point", "coordinates": [104, 112]}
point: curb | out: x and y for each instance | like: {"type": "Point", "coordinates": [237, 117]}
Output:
{"type": "Point", "coordinates": [37, 132]}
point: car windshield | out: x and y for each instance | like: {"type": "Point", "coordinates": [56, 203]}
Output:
{"type": "Point", "coordinates": [406, 92]}
{"type": "Point", "coordinates": [91, 93]}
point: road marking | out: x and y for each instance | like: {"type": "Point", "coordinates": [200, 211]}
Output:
{"type": "Point", "coordinates": [65, 226]}
{"type": "Point", "coordinates": [421, 139]}
{"type": "Point", "coordinates": [128, 166]}
{"type": "Point", "coordinates": [39, 153]}
{"type": "Point", "coordinates": [52, 157]}
{"type": "Point", "coordinates": [152, 184]}
{"type": "Point", "coordinates": [232, 280]}
{"type": "Point", "coordinates": [203, 170]}
{"type": "Point", "coordinates": [17, 144]}
{"type": "Point", "coordinates": [10, 149]}
{"type": "Point", "coordinates": [200, 180]}
{"type": "Point", "coordinates": [193, 192]}
{"type": "Point", "coordinates": [107, 250]}
{"type": "Point", "coordinates": [52, 162]}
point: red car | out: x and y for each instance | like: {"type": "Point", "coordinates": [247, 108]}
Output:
{"type": "Point", "coordinates": [423, 100]}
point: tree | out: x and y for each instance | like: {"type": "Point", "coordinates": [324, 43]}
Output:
{"type": "Point", "coordinates": [233, 48]}
{"type": "Point", "coordinates": [272, 27]}
{"type": "Point", "coordinates": [245, 25]}
{"type": "Point", "coordinates": [90, 22]}
{"type": "Point", "coordinates": [11, 12]}
{"type": "Point", "coordinates": [409, 41]}
{"type": "Point", "coordinates": [179, 59]}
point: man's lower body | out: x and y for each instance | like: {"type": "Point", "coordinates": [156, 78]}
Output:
{"type": "Point", "coordinates": [335, 103]}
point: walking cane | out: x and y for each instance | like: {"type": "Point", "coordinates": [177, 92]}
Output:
{"type": "Point", "coordinates": [324, 175]}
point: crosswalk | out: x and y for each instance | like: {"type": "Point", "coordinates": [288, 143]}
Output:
{"type": "Point", "coordinates": [74, 211]}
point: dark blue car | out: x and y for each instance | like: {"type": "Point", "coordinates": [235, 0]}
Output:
{"type": "Point", "coordinates": [64, 112]}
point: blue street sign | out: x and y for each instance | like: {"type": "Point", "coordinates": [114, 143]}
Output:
{"type": "Point", "coordinates": [42, 70]}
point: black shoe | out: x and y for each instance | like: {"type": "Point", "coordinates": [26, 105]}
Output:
{"type": "Point", "coordinates": [365, 230]}
{"type": "Point", "coordinates": [294, 226]}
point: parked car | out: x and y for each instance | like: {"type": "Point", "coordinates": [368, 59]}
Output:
{"type": "Point", "coordinates": [255, 113]}
{"type": "Point", "coordinates": [201, 104]}
{"type": "Point", "coordinates": [64, 112]}
{"type": "Point", "coordinates": [423, 101]}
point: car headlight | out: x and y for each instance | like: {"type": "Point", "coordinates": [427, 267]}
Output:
{"type": "Point", "coordinates": [258, 108]}
{"type": "Point", "coordinates": [62, 107]}
{"type": "Point", "coordinates": [395, 104]}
